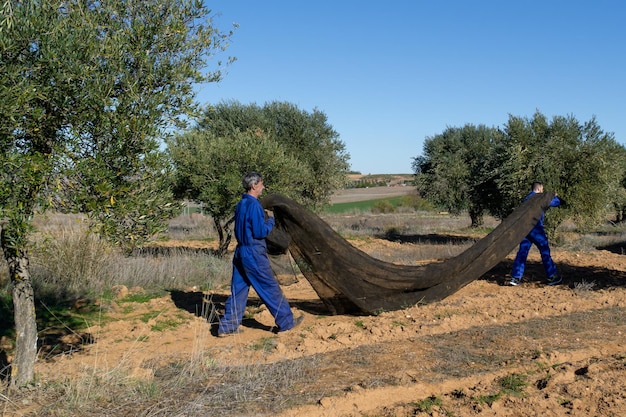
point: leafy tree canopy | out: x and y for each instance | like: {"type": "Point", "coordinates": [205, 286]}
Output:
{"type": "Point", "coordinates": [87, 91]}
{"type": "Point", "coordinates": [578, 161]}
{"type": "Point", "coordinates": [304, 135]}
{"type": "Point", "coordinates": [298, 153]}
{"type": "Point", "coordinates": [480, 169]}
{"type": "Point", "coordinates": [455, 170]}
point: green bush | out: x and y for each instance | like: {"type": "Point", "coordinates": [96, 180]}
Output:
{"type": "Point", "coordinates": [416, 202]}
{"type": "Point", "coordinates": [383, 206]}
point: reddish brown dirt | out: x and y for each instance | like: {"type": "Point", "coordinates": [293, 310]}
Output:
{"type": "Point", "coordinates": [565, 344]}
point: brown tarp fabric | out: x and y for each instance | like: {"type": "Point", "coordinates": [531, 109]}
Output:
{"type": "Point", "coordinates": [348, 280]}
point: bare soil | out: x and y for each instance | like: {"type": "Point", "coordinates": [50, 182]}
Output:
{"type": "Point", "coordinates": [487, 350]}
{"type": "Point", "coordinates": [566, 343]}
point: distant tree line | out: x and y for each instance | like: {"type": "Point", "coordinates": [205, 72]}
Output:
{"type": "Point", "coordinates": [486, 170]}
{"type": "Point", "coordinates": [366, 183]}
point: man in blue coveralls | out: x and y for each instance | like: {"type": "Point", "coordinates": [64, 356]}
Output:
{"type": "Point", "coordinates": [251, 265]}
{"type": "Point", "coordinates": [538, 237]}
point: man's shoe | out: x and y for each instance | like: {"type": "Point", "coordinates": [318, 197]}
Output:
{"type": "Point", "coordinates": [515, 282]}
{"type": "Point", "coordinates": [296, 322]}
{"type": "Point", "coordinates": [238, 331]}
{"type": "Point", "coordinates": [554, 279]}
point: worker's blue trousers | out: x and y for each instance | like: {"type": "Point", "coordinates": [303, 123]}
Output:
{"type": "Point", "coordinates": [538, 237]}
{"type": "Point", "coordinates": [251, 267]}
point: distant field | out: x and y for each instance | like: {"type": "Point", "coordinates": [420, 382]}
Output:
{"type": "Point", "coordinates": [373, 193]}
{"type": "Point", "coordinates": [365, 205]}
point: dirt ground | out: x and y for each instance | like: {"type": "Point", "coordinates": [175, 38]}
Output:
{"type": "Point", "coordinates": [488, 350]}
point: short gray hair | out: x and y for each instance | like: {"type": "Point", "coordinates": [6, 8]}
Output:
{"type": "Point", "coordinates": [250, 179]}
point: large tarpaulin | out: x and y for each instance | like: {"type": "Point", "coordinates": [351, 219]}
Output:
{"type": "Point", "coordinates": [350, 281]}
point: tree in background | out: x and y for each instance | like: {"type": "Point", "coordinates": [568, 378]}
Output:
{"type": "Point", "coordinates": [303, 135]}
{"type": "Point", "coordinates": [480, 169]}
{"type": "Point", "coordinates": [209, 170]}
{"type": "Point", "coordinates": [455, 171]}
{"type": "Point", "coordinates": [580, 162]}
{"type": "Point", "coordinates": [298, 153]}
{"type": "Point", "coordinates": [607, 159]}
{"type": "Point", "coordinates": [619, 194]}
{"type": "Point", "coordinates": [87, 90]}
{"type": "Point", "coordinates": [528, 153]}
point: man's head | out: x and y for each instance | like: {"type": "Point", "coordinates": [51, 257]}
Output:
{"type": "Point", "coordinates": [253, 183]}
{"type": "Point", "coordinates": [537, 187]}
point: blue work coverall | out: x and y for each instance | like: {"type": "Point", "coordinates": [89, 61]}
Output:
{"type": "Point", "coordinates": [251, 267]}
{"type": "Point", "coordinates": [538, 237]}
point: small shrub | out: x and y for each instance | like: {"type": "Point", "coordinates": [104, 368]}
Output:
{"type": "Point", "coordinates": [426, 405]}
{"type": "Point", "coordinates": [513, 384]}
{"type": "Point", "coordinates": [416, 203]}
{"type": "Point", "coordinates": [383, 206]}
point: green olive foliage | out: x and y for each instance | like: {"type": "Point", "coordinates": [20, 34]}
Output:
{"type": "Point", "coordinates": [579, 161]}
{"type": "Point", "coordinates": [455, 171]}
{"type": "Point", "coordinates": [297, 152]}
{"type": "Point", "coordinates": [87, 91]}
{"type": "Point", "coordinates": [491, 170]}
{"type": "Point", "coordinates": [210, 170]}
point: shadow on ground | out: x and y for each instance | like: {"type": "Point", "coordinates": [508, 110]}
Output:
{"type": "Point", "coordinates": [618, 248]}
{"type": "Point", "coordinates": [592, 278]}
{"type": "Point", "coordinates": [427, 239]}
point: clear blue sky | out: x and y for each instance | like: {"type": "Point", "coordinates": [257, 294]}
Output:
{"type": "Point", "coordinates": [389, 74]}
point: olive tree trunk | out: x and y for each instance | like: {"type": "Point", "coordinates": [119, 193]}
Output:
{"type": "Point", "coordinates": [25, 353]}
{"type": "Point", "coordinates": [225, 235]}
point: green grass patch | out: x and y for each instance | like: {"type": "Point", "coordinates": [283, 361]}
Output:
{"type": "Point", "coordinates": [426, 405]}
{"type": "Point", "coordinates": [161, 324]}
{"type": "Point", "coordinates": [167, 324]}
{"type": "Point", "coordinates": [151, 315]}
{"type": "Point", "coordinates": [142, 297]}
{"type": "Point", "coordinates": [514, 384]}
{"type": "Point", "coordinates": [367, 205]}
{"type": "Point", "coordinates": [265, 344]}
{"type": "Point", "coordinates": [488, 399]}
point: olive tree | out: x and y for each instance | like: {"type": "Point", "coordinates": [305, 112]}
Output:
{"type": "Point", "coordinates": [481, 169]}
{"type": "Point", "coordinates": [210, 170]}
{"type": "Point", "coordinates": [304, 135]}
{"type": "Point", "coordinates": [455, 170]}
{"type": "Point", "coordinates": [579, 161]}
{"type": "Point", "coordinates": [87, 89]}
{"type": "Point", "coordinates": [298, 153]}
